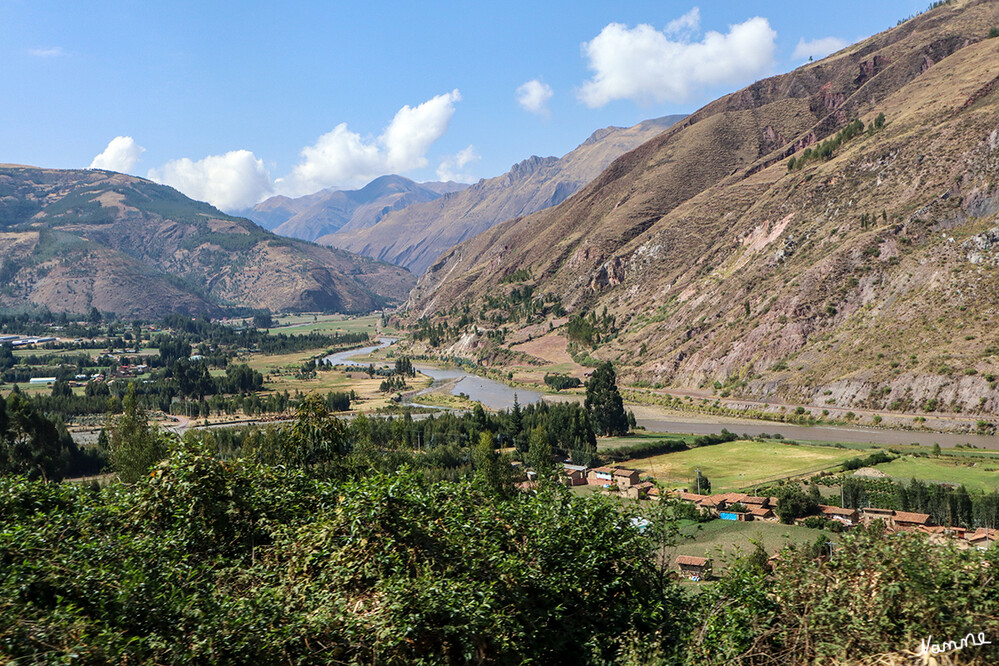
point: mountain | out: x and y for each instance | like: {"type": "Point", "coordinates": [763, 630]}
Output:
{"type": "Point", "coordinates": [75, 239]}
{"type": "Point", "coordinates": [862, 275]}
{"type": "Point", "coordinates": [330, 210]}
{"type": "Point", "coordinates": [416, 235]}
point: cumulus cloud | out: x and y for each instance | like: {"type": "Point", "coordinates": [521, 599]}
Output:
{"type": "Point", "coordinates": [533, 96]}
{"type": "Point", "coordinates": [232, 181]}
{"type": "Point", "coordinates": [818, 48]}
{"type": "Point", "coordinates": [644, 64]}
{"type": "Point", "coordinates": [51, 52]}
{"type": "Point", "coordinates": [120, 155]}
{"type": "Point", "coordinates": [450, 167]}
{"type": "Point", "coordinates": [345, 158]}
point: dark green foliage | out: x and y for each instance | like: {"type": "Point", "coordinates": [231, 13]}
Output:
{"type": "Point", "coordinates": [875, 458]}
{"type": "Point", "coordinates": [263, 319]}
{"type": "Point", "coordinates": [232, 563]}
{"type": "Point", "coordinates": [792, 502]}
{"type": "Point", "coordinates": [871, 597]}
{"type": "Point", "coordinates": [826, 149]}
{"type": "Point", "coordinates": [134, 446]}
{"type": "Point", "coordinates": [404, 366]}
{"type": "Point", "coordinates": [560, 382]}
{"type": "Point", "coordinates": [569, 428]}
{"type": "Point", "coordinates": [30, 443]}
{"type": "Point", "coordinates": [604, 402]}
{"type": "Point", "coordinates": [644, 449]}
{"type": "Point", "coordinates": [854, 493]}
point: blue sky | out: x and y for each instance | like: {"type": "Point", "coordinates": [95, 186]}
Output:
{"type": "Point", "coordinates": [233, 101]}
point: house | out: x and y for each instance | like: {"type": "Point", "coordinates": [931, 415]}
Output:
{"type": "Point", "coordinates": [640, 490]}
{"type": "Point", "coordinates": [872, 513]}
{"type": "Point", "coordinates": [600, 476]}
{"type": "Point", "coordinates": [613, 476]}
{"type": "Point", "coordinates": [762, 513]}
{"type": "Point", "coordinates": [848, 517]}
{"type": "Point", "coordinates": [982, 538]}
{"type": "Point", "coordinates": [694, 568]}
{"type": "Point", "coordinates": [908, 520]}
{"type": "Point", "coordinates": [896, 520]}
{"type": "Point", "coordinates": [573, 475]}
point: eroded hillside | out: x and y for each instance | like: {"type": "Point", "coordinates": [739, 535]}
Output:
{"type": "Point", "coordinates": [864, 275]}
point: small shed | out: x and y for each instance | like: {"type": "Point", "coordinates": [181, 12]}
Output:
{"type": "Point", "coordinates": [694, 568]}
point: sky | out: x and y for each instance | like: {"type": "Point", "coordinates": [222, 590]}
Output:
{"type": "Point", "coordinates": [232, 102]}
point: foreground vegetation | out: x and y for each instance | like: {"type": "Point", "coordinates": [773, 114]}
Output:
{"type": "Point", "coordinates": [314, 547]}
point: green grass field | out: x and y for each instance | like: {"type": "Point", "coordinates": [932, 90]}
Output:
{"type": "Point", "coordinates": [740, 464]}
{"type": "Point", "coordinates": [975, 473]}
{"type": "Point", "coordinates": [717, 538]}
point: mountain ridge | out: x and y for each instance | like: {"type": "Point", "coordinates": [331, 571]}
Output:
{"type": "Point", "coordinates": [332, 209]}
{"type": "Point", "coordinates": [75, 239]}
{"type": "Point", "coordinates": [416, 235]}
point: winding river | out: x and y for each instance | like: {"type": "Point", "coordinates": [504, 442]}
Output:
{"type": "Point", "coordinates": [496, 395]}
{"type": "Point", "coordinates": [492, 394]}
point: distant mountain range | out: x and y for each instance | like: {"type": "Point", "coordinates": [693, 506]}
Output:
{"type": "Point", "coordinates": [332, 210]}
{"type": "Point", "coordinates": [71, 240]}
{"type": "Point", "coordinates": [769, 247]}
{"type": "Point", "coordinates": [415, 235]}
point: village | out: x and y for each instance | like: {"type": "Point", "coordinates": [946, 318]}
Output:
{"type": "Point", "coordinates": [741, 507]}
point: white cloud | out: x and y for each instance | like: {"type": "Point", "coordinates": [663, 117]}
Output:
{"type": "Point", "coordinates": [451, 165]}
{"type": "Point", "coordinates": [818, 48]}
{"type": "Point", "coordinates": [120, 155]}
{"type": "Point", "coordinates": [232, 181]}
{"type": "Point", "coordinates": [345, 158]}
{"type": "Point", "coordinates": [686, 24]}
{"type": "Point", "coordinates": [533, 96]}
{"type": "Point", "coordinates": [51, 52]}
{"type": "Point", "coordinates": [643, 64]}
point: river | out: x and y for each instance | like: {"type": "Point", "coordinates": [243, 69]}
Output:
{"type": "Point", "coordinates": [492, 394]}
{"type": "Point", "coordinates": [496, 395]}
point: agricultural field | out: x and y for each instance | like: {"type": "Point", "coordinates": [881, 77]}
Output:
{"type": "Point", "coordinates": [974, 472]}
{"type": "Point", "coordinates": [611, 443]}
{"type": "Point", "coordinates": [726, 537]}
{"type": "Point", "coordinates": [740, 464]}
{"type": "Point", "coordinates": [299, 324]}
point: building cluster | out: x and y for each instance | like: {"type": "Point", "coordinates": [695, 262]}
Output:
{"type": "Point", "coordinates": [744, 507]}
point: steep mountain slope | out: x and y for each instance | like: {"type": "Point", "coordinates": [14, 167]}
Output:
{"type": "Point", "coordinates": [325, 212]}
{"type": "Point", "coordinates": [70, 240]}
{"type": "Point", "coordinates": [865, 275]}
{"type": "Point", "coordinates": [274, 211]}
{"type": "Point", "coordinates": [415, 236]}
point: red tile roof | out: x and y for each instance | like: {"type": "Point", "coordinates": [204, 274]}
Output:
{"type": "Point", "coordinates": [836, 510]}
{"type": "Point", "coordinates": [910, 517]}
{"type": "Point", "coordinates": [690, 560]}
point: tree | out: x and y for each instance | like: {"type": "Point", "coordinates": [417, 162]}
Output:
{"type": "Point", "coordinates": [539, 455]}
{"type": "Point", "coordinates": [263, 319]}
{"type": "Point", "coordinates": [30, 443]}
{"type": "Point", "coordinates": [792, 502]}
{"type": "Point", "coordinates": [701, 484]}
{"type": "Point", "coordinates": [493, 474]}
{"type": "Point", "coordinates": [855, 494]}
{"type": "Point", "coordinates": [318, 441]}
{"type": "Point", "coordinates": [133, 444]}
{"type": "Point", "coordinates": [604, 402]}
